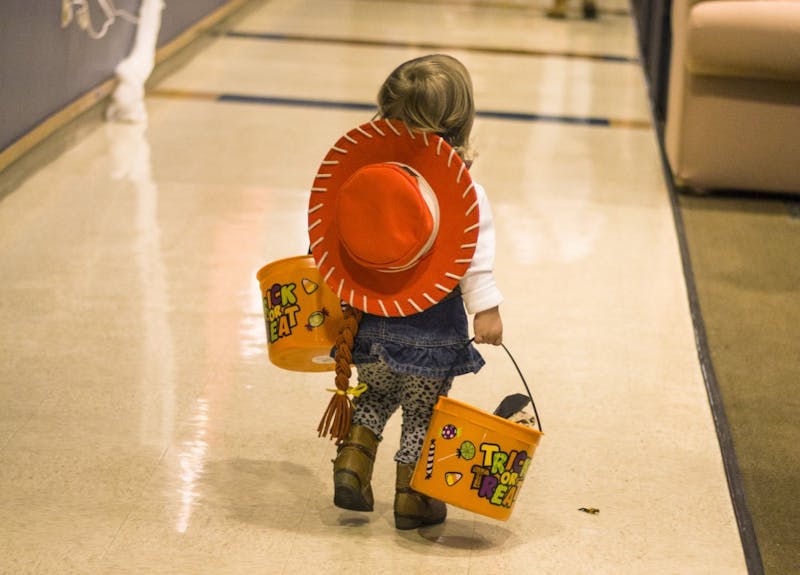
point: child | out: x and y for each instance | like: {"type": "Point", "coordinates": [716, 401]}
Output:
{"type": "Point", "coordinates": [410, 344]}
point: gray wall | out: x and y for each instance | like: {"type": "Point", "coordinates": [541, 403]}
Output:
{"type": "Point", "coordinates": [44, 67]}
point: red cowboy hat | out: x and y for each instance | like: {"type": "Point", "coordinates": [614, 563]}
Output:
{"type": "Point", "coordinates": [392, 219]}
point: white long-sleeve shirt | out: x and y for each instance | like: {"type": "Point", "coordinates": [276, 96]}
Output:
{"type": "Point", "coordinates": [478, 287]}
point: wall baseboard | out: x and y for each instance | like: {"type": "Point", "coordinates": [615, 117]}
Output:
{"type": "Point", "coordinates": [58, 120]}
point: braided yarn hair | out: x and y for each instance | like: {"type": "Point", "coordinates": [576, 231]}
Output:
{"type": "Point", "coordinates": [336, 419]}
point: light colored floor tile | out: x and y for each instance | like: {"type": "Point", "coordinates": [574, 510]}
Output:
{"type": "Point", "coordinates": [142, 428]}
{"type": "Point", "coordinates": [511, 25]}
{"type": "Point", "coordinates": [294, 70]}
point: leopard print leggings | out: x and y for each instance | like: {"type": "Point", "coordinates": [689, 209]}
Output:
{"type": "Point", "coordinates": [386, 391]}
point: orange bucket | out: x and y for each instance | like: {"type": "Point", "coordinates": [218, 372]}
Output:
{"type": "Point", "coordinates": [474, 460]}
{"type": "Point", "coordinates": [303, 316]}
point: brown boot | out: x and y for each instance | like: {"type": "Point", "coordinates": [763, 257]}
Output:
{"type": "Point", "coordinates": [413, 509]}
{"type": "Point", "coordinates": [352, 470]}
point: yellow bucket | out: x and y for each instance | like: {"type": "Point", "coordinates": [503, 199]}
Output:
{"type": "Point", "coordinates": [303, 316]}
{"type": "Point", "coordinates": [474, 460]}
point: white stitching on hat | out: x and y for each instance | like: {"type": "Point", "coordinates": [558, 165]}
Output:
{"type": "Point", "coordinates": [374, 128]}
{"type": "Point", "coordinates": [377, 129]}
{"type": "Point", "coordinates": [429, 196]}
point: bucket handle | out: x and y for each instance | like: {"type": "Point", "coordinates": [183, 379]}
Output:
{"type": "Point", "coordinates": [522, 377]}
{"type": "Point", "coordinates": [525, 383]}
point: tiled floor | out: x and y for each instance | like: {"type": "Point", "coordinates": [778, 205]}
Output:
{"type": "Point", "coordinates": [142, 429]}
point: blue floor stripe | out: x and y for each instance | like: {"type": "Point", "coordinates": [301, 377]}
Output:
{"type": "Point", "coordinates": [524, 117]}
{"type": "Point", "coordinates": [333, 105]}
{"type": "Point", "coordinates": [271, 36]}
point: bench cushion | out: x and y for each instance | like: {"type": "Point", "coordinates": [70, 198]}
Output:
{"type": "Point", "coordinates": [757, 39]}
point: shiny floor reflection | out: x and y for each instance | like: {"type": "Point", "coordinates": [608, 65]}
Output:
{"type": "Point", "coordinates": [142, 429]}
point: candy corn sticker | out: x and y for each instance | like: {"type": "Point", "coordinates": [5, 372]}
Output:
{"type": "Point", "coordinates": [452, 477]}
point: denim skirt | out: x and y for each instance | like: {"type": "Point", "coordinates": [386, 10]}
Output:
{"type": "Point", "coordinates": [433, 343]}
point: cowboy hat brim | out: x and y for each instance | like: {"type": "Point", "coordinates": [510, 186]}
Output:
{"type": "Point", "coordinates": [396, 293]}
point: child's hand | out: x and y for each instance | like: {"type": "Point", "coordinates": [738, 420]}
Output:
{"type": "Point", "coordinates": [488, 326]}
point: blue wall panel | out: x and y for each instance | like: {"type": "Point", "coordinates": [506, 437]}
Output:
{"type": "Point", "coordinates": [44, 67]}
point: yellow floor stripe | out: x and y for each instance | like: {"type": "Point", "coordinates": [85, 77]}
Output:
{"type": "Point", "coordinates": [182, 94]}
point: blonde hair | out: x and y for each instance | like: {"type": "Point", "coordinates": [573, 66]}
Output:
{"type": "Point", "coordinates": [432, 94]}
